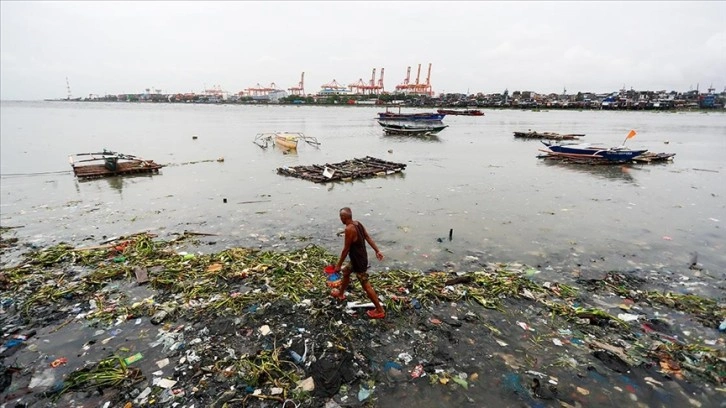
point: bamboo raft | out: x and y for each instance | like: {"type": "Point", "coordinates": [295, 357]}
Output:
{"type": "Point", "coordinates": [548, 135]}
{"type": "Point", "coordinates": [366, 167]}
{"type": "Point", "coordinates": [648, 157]}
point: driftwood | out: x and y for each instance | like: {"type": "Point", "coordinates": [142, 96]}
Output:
{"type": "Point", "coordinates": [204, 234]}
{"type": "Point", "coordinates": [366, 167]}
{"type": "Point", "coordinates": [459, 279]}
{"type": "Point", "coordinates": [110, 243]}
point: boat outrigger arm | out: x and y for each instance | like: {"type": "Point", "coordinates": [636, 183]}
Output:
{"type": "Point", "coordinates": [265, 139]}
{"type": "Point", "coordinates": [106, 154]}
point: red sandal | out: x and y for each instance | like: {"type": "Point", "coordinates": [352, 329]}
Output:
{"type": "Point", "coordinates": [373, 314]}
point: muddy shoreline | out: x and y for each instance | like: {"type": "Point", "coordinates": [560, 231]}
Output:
{"type": "Point", "coordinates": [152, 322]}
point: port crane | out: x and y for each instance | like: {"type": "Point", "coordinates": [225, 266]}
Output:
{"type": "Point", "coordinates": [416, 88]}
{"type": "Point", "coordinates": [300, 88]}
{"type": "Point", "coordinates": [370, 88]}
{"type": "Point", "coordinates": [333, 88]}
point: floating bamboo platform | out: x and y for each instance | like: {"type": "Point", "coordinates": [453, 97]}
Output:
{"type": "Point", "coordinates": [366, 167]}
{"type": "Point", "coordinates": [647, 157]}
{"type": "Point", "coordinates": [123, 168]}
{"type": "Point", "coordinates": [548, 135]}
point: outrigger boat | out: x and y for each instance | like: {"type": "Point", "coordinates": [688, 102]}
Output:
{"type": "Point", "coordinates": [411, 116]}
{"type": "Point", "coordinates": [583, 150]}
{"type": "Point", "coordinates": [423, 116]}
{"type": "Point", "coordinates": [108, 163]}
{"type": "Point", "coordinates": [393, 128]}
{"type": "Point", "coordinates": [596, 151]}
{"type": "Point", "coordinates": [284, 140]}
{"type": "Point", "coordinates": [465, 112]}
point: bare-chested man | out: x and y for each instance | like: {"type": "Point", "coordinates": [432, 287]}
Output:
{"type": "Point", "coordinates": [356, 237]}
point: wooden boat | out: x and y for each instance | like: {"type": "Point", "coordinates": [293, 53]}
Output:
{"type": "Point", "coordinates": [108, 163]}
{"type": "Point", "coordinates": [548, 135]}
{"type": "Point", "coordinates": [647, 158]}
{"type": "Point", "coordinates": [465, 112]}
{"type": "Point", "coordinates": [423, 116]}
{"type": "Point", "coordinates": [588, 150]}
{"type": "Point", "coordinates": [418, 129]}
{"type": "Point", "coordinates": [284, 140]}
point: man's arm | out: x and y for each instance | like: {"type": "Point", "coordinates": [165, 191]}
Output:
{"type": "Point", "coordinates": [373, 245]}
{"type": "Point", "coordinates": [349, 235]}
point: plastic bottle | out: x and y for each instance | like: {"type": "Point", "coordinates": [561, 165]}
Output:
{"type": "Point", "coordinates": [296, 357]}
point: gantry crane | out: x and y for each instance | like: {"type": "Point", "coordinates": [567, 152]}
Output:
{"type": "Point", "coordinates": [300, 88]}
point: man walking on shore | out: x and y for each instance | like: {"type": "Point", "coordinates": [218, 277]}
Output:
{"type": "Point", "coordinates": [354, 245]}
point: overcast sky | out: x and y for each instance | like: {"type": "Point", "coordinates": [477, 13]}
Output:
{"type": "Point", "coordinates": [124, 47]}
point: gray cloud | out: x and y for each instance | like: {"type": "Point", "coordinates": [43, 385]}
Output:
{"type": "Point", "coordinates": [117, 47]}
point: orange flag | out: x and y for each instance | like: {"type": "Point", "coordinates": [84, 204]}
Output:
{"type": "Point", "coordinates": [631, 135]}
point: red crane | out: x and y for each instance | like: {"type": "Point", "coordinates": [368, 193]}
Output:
{"type": "Point", "coordinates": [358, 87]}
{"type": "Point", "coordinates": [416, 88]}
{"type": "Point", "coordinates": [379, 87]}
{"type": "Point", "coordinates": [424, 89]}
{"type": "Point", "coordinates": [404, 86]}
{"type": "Point", "coordinates": [260, 90]}
{"type": "Point", "coordinates": [300, 88]}
{"type": "Point", "coordinates": [333, 88]}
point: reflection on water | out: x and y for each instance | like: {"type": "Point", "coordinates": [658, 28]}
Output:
{"type": "Point", "coordinates": [406, 138]}
{"type": "Point", "coordinates": [116, 183]}
{"type": "Point", "coordinates": [616, 172]}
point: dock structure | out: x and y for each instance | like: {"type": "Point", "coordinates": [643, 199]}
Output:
{"type": "Point", "coordinates": [348, 170]}
{"type": "Point", "coordinates": [548, 135]}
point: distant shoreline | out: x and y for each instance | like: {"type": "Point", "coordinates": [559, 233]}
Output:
{"type": "Point", "coordinates": [390, 105]}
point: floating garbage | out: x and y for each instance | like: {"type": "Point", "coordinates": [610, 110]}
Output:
{"type": "Point", "coordinates": [363, 393]}
{"type": "Point", "coordinates": [417, 371]}
{"type": "Point", "coordinates": [405, 357]}
{"type": "Point", "coordinates": [627, 317]}
{"type": "Point", "coordinates": [136, 357]}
